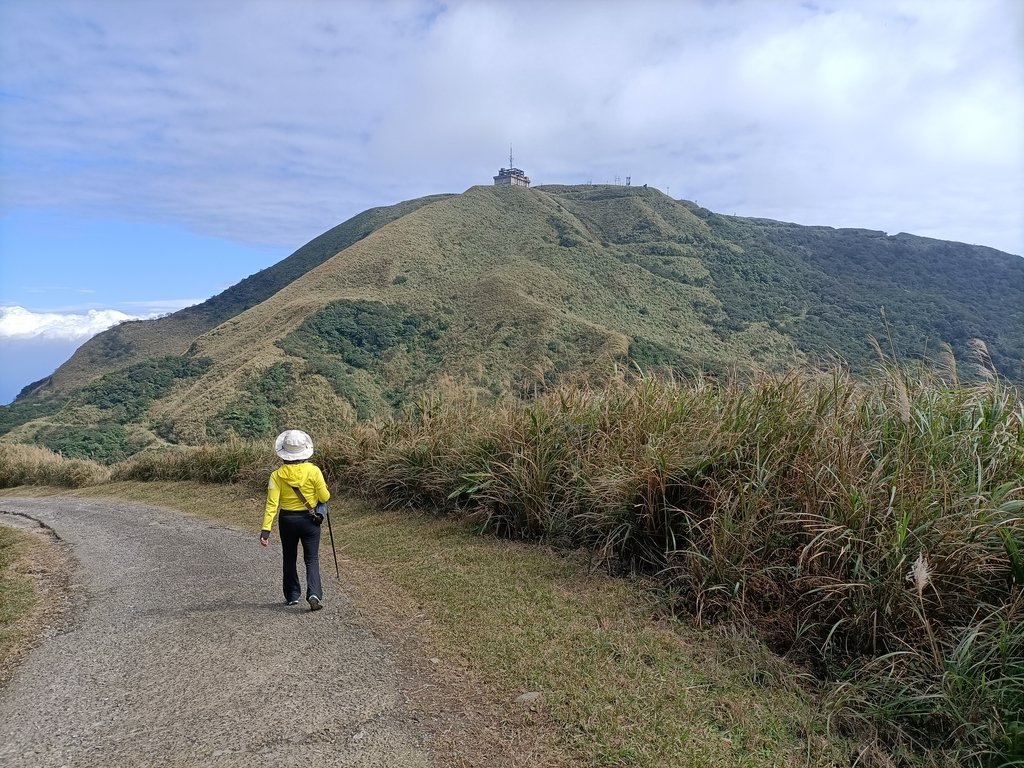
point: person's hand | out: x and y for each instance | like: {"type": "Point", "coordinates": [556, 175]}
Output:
{"type": "Point", "coordinates": [264, 542]}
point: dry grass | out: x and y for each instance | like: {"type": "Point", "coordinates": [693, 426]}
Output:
{"type": "Point", "coordinates": [796, 505]}
{"type": "Point", "coordinates": [621, 687]}
{"type": "Point", "coordinates": [230, 462]}
{"type": "Point", "coordinates": [33, 465]}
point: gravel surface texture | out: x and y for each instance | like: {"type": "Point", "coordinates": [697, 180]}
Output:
{"type": "Point", "coordinates": [184, 654]}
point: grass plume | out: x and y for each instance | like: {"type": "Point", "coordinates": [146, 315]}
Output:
{"type": "Point", "coordinates": [34, 465]}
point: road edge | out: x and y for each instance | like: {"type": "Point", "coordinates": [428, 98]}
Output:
{"type": "Point", "coordinates": [50, 566]}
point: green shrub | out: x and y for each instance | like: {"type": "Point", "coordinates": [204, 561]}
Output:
{"type": "Point", "coordinates": [129, 392]}
{"type": "Point", "coordinates": [359, 332]}
{"type": "Point", "coordinates": [24, 411]}
{"type": "Point", "coordinates": [103, 442]}
{"type": "Point", "coordinates": [255, 414]}
{"type": "Point", "coordinates": [346, 340]}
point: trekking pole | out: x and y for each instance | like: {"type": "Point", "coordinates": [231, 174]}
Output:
{"type": "Point", "coordinates": [330, 530]}
{"type": "Point", "coordinates": [327, 514]}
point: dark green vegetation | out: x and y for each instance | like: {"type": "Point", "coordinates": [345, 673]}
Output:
{"type": "Point", "coordinates": [360, 333]}
{"type": "Point", "coordinates": [102, 442]}
{"type": "Point", "coordinates": [818, 284]}
{"type": "Point", "coordinates": [23, 411]}
{"type": "Point", "coordinates": [347, 337]}
{"type": "Point", "coordinates": [113, 400]}
{"type": "Point", "coordinates": [506, 293]}
{"type": "Point", "coordinates": [253, 414]}
{"type": "Point", "coordinates": [126, 394]}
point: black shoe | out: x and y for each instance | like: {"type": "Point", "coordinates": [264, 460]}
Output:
{"type": "Point", "coordinates": [315, 603]}
{"type": "Point", "coordinates": [292, 602]}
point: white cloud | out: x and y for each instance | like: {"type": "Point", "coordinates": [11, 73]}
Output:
{"type": "Point", "coordinates": [34, 344]}
{"type": "Point", "coordinates": [20, 323]}
{"type": "Point", "coordinates": [78, 324]}
{"type": "Point", "coordinates": [269, 122]}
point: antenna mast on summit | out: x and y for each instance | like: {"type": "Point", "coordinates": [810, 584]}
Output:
{"type": "Point", "coordinates": [511, 176]}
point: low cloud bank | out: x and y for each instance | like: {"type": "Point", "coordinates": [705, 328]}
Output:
{"type": "Point", "coordinates": [21, 323]}
{"type": "Point", "coordinates": [34, 344]}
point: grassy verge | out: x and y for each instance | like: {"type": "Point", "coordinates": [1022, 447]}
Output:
{"type": "Point", "coordinates": [18, 597]}
{"type": "Point", "coordinates": [618, 685]}
{"type": "Point", "coordinates": [623, 688]}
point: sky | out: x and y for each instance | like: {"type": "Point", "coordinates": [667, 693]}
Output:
{"type": "Point", "coordinates": [153, 154]}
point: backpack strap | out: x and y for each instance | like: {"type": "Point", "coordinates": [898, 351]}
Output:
{"type": "Point", "coordinates": [317, 516]}
{"type": "Point", "coordinates": [299, 494]}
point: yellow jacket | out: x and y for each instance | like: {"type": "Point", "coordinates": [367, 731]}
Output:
{"type": "Point", "coordinates": [306, 477]}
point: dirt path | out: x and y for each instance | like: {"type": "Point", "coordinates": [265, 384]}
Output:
{"type": "Point", "coordinates": [184, 654]}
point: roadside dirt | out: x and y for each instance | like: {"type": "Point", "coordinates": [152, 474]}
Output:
{"type": "Point", "coordinates": [48, 563]}
{"type": "Point", "coordinates": [180, 652]}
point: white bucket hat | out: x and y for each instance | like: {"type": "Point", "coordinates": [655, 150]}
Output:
{"type": "Point", "coordinates": [293, 445]}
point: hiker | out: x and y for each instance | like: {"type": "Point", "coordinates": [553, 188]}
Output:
{"type": "Point", "coordinates": [296, 488]}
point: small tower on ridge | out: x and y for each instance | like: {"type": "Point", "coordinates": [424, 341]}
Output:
{"type": "Point", "coordinates": [511, 176]}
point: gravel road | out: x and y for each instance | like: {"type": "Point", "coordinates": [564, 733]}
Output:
{"type": "Point", "coordinates": [184, 654]}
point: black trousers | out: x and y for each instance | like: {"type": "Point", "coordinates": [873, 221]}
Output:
{"type": "Point", "coordinates": [296, 527]}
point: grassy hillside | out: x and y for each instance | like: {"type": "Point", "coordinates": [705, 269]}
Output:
{"type": "Point", "coordinates": [826, 287]}
{"type": "Point", "coordinates": [131, 342]}
{"type": "Point", "coordinates": [504, 292]}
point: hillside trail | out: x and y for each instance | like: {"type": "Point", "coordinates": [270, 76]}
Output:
{"type": "Point", "coordinates": [182, 653]}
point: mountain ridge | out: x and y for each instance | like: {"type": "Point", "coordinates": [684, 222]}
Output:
{"type": "Point", "coordinates": [501, 291]}
{"type": "Point", "coordinates": [172, 334]}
